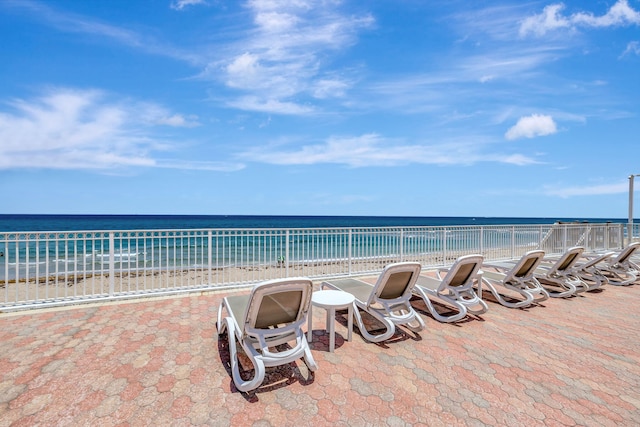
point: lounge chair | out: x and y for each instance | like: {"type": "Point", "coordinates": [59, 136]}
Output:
{"type": "Point", "coordinates": [455, 289]}
{"type": "Point", "coordinates": [559, 277]}
{"type": "Point", "coordinates": [624, 262]}
{"type": "Point", "coordinates": [387, 301]}
{"type": "Point", "coordinates": [591, 273]}
{"type": "Point", "coordinates": [520, 279]}
{"type": "Point", "coordinates": [271, 315]}
{"type": "Point", "coordinates": [587, 270]}
{"type": "Point", "coordinates": [620, 270]}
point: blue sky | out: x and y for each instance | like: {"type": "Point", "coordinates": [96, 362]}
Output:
{"type": "Point", "coordinates": [325, 107]}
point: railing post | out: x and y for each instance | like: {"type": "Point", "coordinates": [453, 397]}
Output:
{"type": "Point", "coordinates": [482, 239]}
{"type": "Point", "coordinates": [209, 253]}
{"type": "Point", "coordinates": [349, 253]}
{"type": "Point", "coordinates": [587, 233]}
{"type": "Point", "coordinates": [513, 242]}
{"type": "Point", "coordinates": [112, 263]}
{"type": "Point", "coordinates": [588, 238]}
{"type": "Point", "coordinates": [444, 246]}
{"type": "Point", "coordinates": [286, 254]}
{"type": "Point", "coordinates": [5, 246]}
{"type": "Point", "coordinates": [539, 237]}
{"type": "Point", "coordinates": [630, 223]}
{"type": "Point", "coordinates": [401, 245]}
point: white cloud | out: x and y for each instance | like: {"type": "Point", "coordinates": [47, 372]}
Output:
{"type": "Point", "coordinates": [244, 72]}
{"type": "Point", "coordinates": [252, 103]}
{"type": "Point", "coordinates": [551, 18]}
{"type": "Point", "coordinates": [441, 89]}
{"type": "Point", "coordinates": [178, 120]}
{"type": "Point", "coordinates": [151, 114]}
{"type": "Point", "coordinates": [548, 20]}
{"type": "Point", "coordinates": [329, 88]}
{"type": "Point", "coordinates": [75, 23]}
{"type": "Point", "coordinates": [276, 22]}
{"type": "Point", "coordinates": [364, 150]}
{"type": "Point", "coordinates": [532, 126]}
{"type": "Point", "coordinates": [504, 63]}
{"type": "Point", "coordinates": [517, 159]}
{"type": "Point", "coordinates": [375, 150]}
{"type": "Point", "coordinates": [620, 14]}
{"type": "Point", "coordinates": [84, 129]}
{"type": "Point", "coordinates": [589, 190]}
{"type": "Point", "coordinates": [633, 48]}
{"type": "Point", "coordinates": [181, 4]}
{"type": "Point", "coordinates": [198, 165]}
{"type": "Point", "coordinates": [283, 55]}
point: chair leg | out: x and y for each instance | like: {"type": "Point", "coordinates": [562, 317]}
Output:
{"type": "Point", "coordinates": [580, 285]}
{"type": "Point", "coordinates": [527, 301]}
{"type": "Point", "coordinates": [592, 279]}
{"type": "Point", "coordinates": [388, 333]}
{"type": "Point", "coordinates": [220, 325]}
{"type": "Point", "coordinates": [407, 316]}
{"type": "Point", "coordinates": [462, 310]}
{"type": "Point", "coordinates": [416, 324]}
{"type": "Point", "coordinates": [543, 292]}
{"type": "Point", "coordinates": [619, 277]}
{"type": "Point", "coordinates": [534, 287]}
{"type": "Point", "coordinates": [258, 365]}
{"type": "Point", "coordinates": [568, 288]}
{"type": "Point", "coordinates": [308, 358]}
{"type": "Point", "coordinates": [476, 301]}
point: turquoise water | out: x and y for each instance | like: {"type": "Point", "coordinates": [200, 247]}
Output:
{"type": "Point", "coordinates": [12, 223]}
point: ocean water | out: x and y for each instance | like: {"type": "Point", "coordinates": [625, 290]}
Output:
{"type": "Point", "coordinates": [13, 223]}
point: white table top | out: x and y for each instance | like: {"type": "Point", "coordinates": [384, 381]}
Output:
{"type": "Point", "coordinates": [331, 298]}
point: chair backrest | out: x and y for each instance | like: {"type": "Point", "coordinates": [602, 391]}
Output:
{"type": "Point", "coordinates": [395, 283]}
{"type": "Point", "coordinates": [567, 260]}
{"type": "Point", "coordinates": [595, 261]}
{"type": "Point", "coordinates": [525, 268]}
{"type": "Point", "coordinates": [278, 305]}
{"type": "Point", "coordinates": [626, 253]}
{"type": "Point", "coordinates": [462, 273]}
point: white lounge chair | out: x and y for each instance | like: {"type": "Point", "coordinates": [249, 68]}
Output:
{"type": "Point", "coordinates": [591, 273]}
{"type": "Point", "coordinates": [619, 270]}
{"type": "Point", "coordinates": [271, 315]}
{"type": "Point", "coordinates": [387, 300]}
{"type": "Point", "coordinates": [520, 279]}
{"type": "Point", "coordinates": [454, 289]}
{"type": "Point", "coordinates": [558, 275]}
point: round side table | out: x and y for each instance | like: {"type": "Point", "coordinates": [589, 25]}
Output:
{"type": "Point", "coordinates": [332, 300]}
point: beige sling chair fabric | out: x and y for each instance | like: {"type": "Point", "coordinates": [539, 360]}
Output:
{"type": "Point", "coordinates": [387, 300]}
{"type": "Point", "coordinates": [519, 279]}
{"type": "Point", "coordinates": [271, 315]}
{"type": "Point", "coordinates": [455, 289]}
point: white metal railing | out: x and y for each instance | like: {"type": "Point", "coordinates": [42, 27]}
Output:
{"type": "Point", "coordinates": [635, 232]}
{"type": "Point", "coordinates": [39, 269]}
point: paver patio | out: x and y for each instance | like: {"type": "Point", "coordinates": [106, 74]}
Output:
{"type": "Point", "coordinates": [159, 362]}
